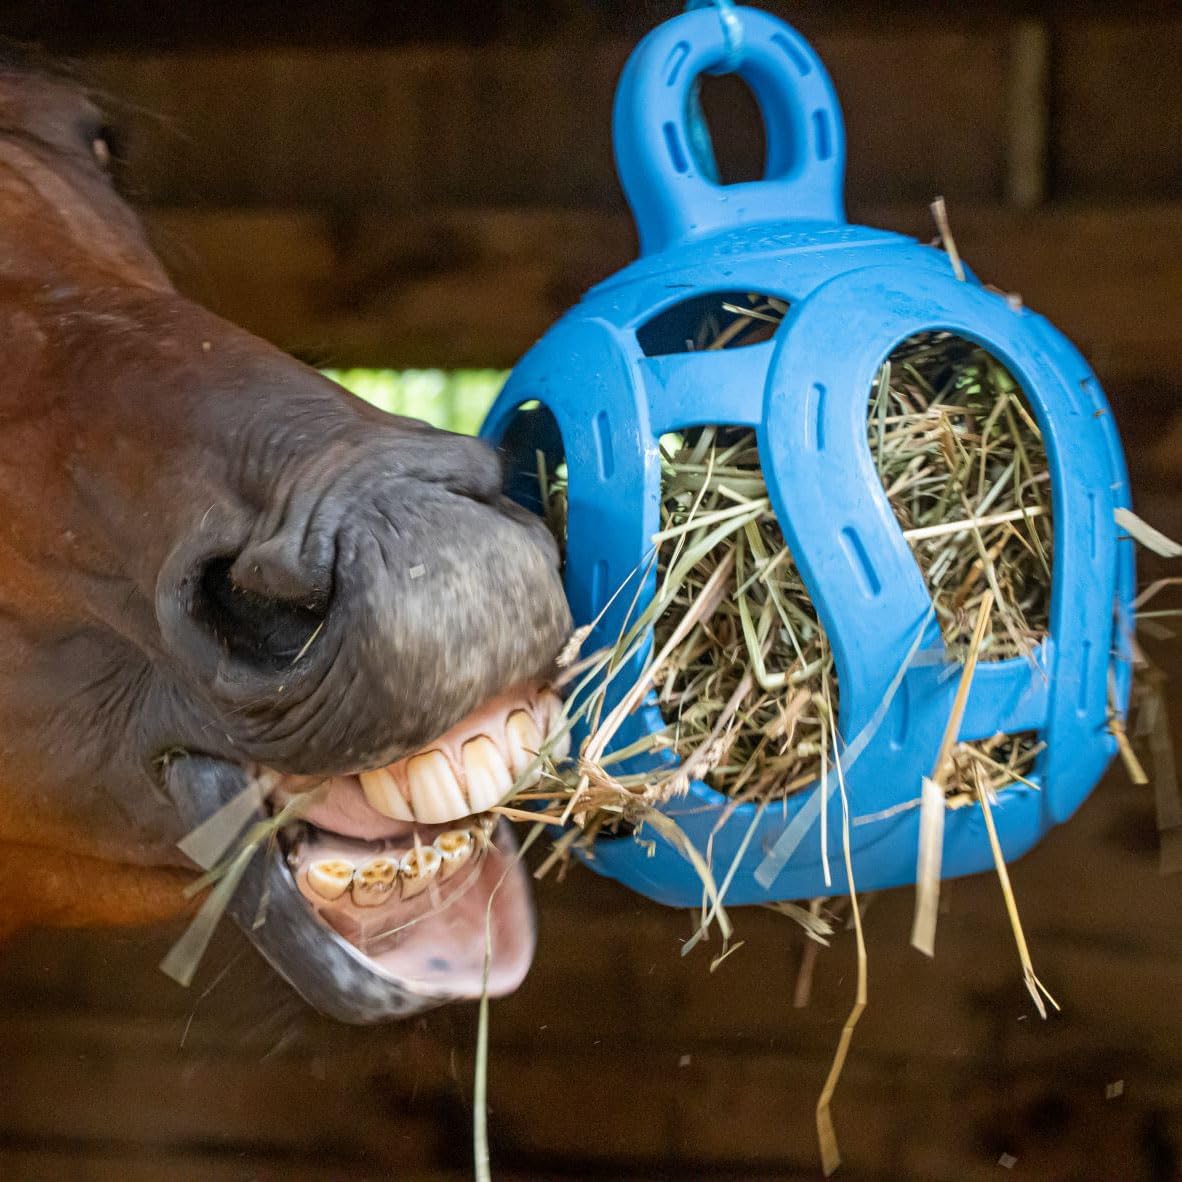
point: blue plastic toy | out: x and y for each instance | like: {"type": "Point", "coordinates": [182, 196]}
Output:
{"type": "Point", "coordinates": [854, 294]}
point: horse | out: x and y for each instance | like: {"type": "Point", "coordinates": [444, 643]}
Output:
{"type": "Point", "coordinates": [224, 579]}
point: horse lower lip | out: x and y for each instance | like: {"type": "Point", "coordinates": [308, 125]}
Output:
{"type": "Point", "coordinates": [435, 953]}
{"type": "Point", "coordinates": [373, 894]}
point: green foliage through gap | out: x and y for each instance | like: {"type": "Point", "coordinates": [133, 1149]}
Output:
{"type": "Point", "coordinates": [456, 400]}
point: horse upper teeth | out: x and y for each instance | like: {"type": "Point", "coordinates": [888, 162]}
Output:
{"type": "Point", "coordinates": [524, 739]}
{"type": "Point", "coordinates": [330, 878]}
{"type": "Point", "coordinates": [373, 882]}
{"type": "Point", "coordinates": [487, 773]}
{"type": "Point", "coordinates": [559, 745]}
{"type": "Point", "coordinates": [417, 868]}
{"type": "Point", "coordinates": [451, 781]}
{"type": "Point", "coordinates": [435, 794]}
{"type": "Point", "coordinates": [556, 737]}
{"type": "Point", "coordinates": [384, 794]}
{"type": "Point", "coordinates": [455, 848]}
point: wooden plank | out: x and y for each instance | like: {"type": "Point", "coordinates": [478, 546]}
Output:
{"type": "Point", "coordinates": [73, 27]}
{"type": "Point", "coordinates": [925, 113]}
{"type": "Point", "coordinates": [1028, 115]}
{"type": "Point", "coordinates": [477, 286]}
{"type": "Point", "coordinates": [238, 128]}
{"type": "Point", "coordinates": [1107, 277]}
{"type": "Point", "coordinates": [1095, 943]}
{"type": "Point", "coordinates": [512, 124]}
{"type": "Point", "coordinates": [1118, 109]}
{"type": "Point", "coordinates": [449, 288]}
{"type": "Point", "coordinates": [606, 1099]}
{"type": "Point", "coordinates": [117, 1163]}
{"type": "Point", "coordinates": [928, 110]}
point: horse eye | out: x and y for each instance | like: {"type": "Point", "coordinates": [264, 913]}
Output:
{"type": "Point", "coordinates": [106, 147]}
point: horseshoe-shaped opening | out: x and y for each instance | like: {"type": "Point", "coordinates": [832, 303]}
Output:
{"type": "Point", "coordinates": [750, 692]}
{"type": "Point", "coordinates": [962, 461]}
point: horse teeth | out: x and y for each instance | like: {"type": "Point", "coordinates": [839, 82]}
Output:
{"type": "Point", "coordinates": [373, 882]}
{"type": "Point", "coordinates": [486, 772]}
{"type": "Point", "coordinates": [560, 746]}
{"type": "Point", "coordinates": [384, 794]}
{"type": "Point", "coordinates": [435, 793]}
{"type": "Point", "coordinates": [524, 740]}
{"type": "Point", "coordinates": [557, 737]}
{"type": "Point", "coordinates": [330, 878]}
{"type": "Point", "coordinates": [417, 868]}
{"type": "Point", "coordinates": [455, 848]}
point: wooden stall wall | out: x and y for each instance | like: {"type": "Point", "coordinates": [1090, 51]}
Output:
{"type": "Point", "coordinates": [371, 184]}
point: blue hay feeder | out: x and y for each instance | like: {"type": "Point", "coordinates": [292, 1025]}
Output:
{"type": "Point", "coordinates": [588, 392]}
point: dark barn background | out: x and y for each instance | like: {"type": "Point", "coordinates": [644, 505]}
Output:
{"type": "Point", "coordinates": [429, 184]}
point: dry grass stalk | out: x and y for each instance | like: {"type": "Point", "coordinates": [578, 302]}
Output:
{"type": "Point", "coordinates": [826, 1133]}
{"type": "Point", "coordinates": [932, 807]}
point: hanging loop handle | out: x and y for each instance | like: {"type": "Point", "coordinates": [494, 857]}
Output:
{"type": "Point", "coordinates": [667, 170]}
{"type": "Point", "coordinates": [697, 129]}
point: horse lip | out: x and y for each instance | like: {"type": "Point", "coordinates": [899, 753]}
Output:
{"type": "Point", "coordinates": [324, 969]}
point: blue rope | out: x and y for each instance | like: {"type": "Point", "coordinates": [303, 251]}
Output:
{"type": "Point", "coordinates": [701, 146]}
{"type": "Point", "coordinates": [732, 31]}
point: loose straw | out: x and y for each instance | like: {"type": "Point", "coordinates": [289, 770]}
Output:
{"type": "Point", "coordinates": [931, 817]}
{"type": "Point", "coordinates": [826, 1133]}
{"type": "Point", "coordinates": [1033, 984]}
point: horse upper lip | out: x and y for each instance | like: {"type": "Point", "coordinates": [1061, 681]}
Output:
{"type": "Point", "coordinates": [436, 601]}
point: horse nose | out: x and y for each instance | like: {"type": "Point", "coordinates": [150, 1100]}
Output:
{"type": "Point", "coordinates": [263, 608]}
{"type": "Point", "coordinates": [275, 570]}
{"type": "Point", "coordinates": [344, 614]}
{"type": "Point", "coordinates": [265, 604]}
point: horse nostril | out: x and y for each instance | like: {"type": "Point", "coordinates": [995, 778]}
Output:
{"type": "Point", "coordinates": [262, 631]}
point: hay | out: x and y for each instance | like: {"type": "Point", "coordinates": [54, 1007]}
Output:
{"type": "Point", "coordinates": [743, 671]}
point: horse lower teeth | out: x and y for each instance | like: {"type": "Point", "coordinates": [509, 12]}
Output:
{"type": "Point", "coordinates": [455, 848]}
{"type": "Point", "coordinates": [382, 877]}
{"type": "Point", "coordinates": [331, 878]}
{"type": "Point", "coordinates": [417, 869]}
{"type": "Point", "coordinates": [374, 881]}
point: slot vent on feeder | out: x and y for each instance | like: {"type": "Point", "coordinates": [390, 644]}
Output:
{"type": "Point", "coordinates": [963, 465]}
{"type": "Point", "coordinates": [715, 320]}
{"type": "Point", "coordinates": [749, 695]}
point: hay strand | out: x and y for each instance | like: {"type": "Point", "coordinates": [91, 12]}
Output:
{"type": "Point", "coordinates": [1034, 986]}
{"type": "Point", "coordinates": [931, 815]}
{"type": "Point", "coordinates": [826, 1132]}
